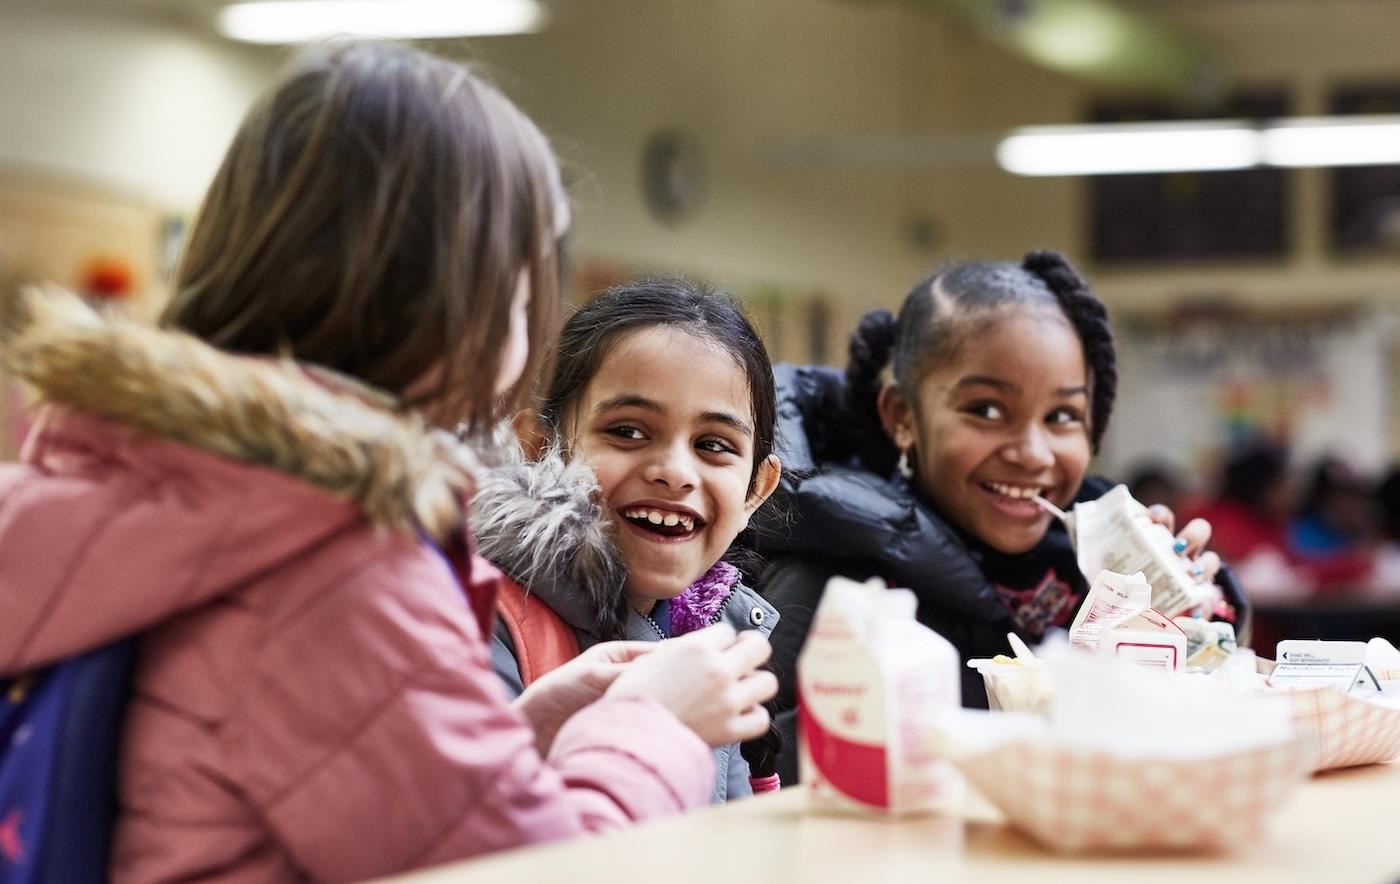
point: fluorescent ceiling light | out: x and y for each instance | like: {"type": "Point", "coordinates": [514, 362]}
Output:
{"type": "Point", "coordinates": [1201, 146]}
{"type": "Point", "coordinates": [1123, 149]}
{"type": "Point", "coordinates": [1333, 141]}
{"type": "Point", "coordinates": [295, 21]}
{"type": "Point", "coordinates": [1074, 38]}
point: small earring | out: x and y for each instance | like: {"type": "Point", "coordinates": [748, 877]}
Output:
{"type": "Point", "coordinates": [903, 466]}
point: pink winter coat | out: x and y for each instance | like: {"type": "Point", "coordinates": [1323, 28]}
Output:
{"type": "Point", "coordinates": [314, 698]}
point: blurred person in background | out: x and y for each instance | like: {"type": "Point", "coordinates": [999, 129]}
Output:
{"type": "Point", "coordinates": [1333, 535]}
{"type": "Point", "coordinates": [1157, 483]}
{"type": "Point", "coordinates": [1274, 553]}
{"type": "Point", "coordinates": [1385, 579]}
{"type": "Point", "coordinates": [1388, 500]}
{"type": "Point", "coordinates": [1249, 514]}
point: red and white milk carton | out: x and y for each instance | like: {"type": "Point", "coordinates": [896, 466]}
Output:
{"type": "Point", "coordinates": [872, 683]}
{"type": "Point", "coordinates": [1117, 620]}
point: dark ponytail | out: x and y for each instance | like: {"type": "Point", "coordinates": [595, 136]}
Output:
{"type": "Point", "coordinates": [872, 346]}
{"type": "Point", "coordinates": [1090, 320]}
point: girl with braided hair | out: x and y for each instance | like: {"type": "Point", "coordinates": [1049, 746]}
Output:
{"type": "Point", "coordinates": [1003, 381]}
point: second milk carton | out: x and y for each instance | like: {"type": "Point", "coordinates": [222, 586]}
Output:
{"type": "Point", "coordinates": [872, 684]}
{"type": "Point", "coordinates": [1117, 620]}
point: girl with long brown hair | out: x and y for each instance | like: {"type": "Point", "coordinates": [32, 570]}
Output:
{"type": "Point", "coordinates": [262, 491]}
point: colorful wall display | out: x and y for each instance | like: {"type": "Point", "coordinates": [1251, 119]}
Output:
{"type": "Point", "coordinates": [1190, 390]}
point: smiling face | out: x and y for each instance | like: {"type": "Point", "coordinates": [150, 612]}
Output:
{"type": "Point", "coordinates": [1004, 420]}
{"type": "Point", "coordinates": [666, 423]}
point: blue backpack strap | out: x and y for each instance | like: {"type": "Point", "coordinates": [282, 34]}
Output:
{"type": "Point", "coordinates": [60, 739]}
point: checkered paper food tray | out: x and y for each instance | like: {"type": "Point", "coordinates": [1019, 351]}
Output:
{"type": "Point", "coordinates": [1345, 731]}
{"type": "Point", "coordinates": [1075, 800]}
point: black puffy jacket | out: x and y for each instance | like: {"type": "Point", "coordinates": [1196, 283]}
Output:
{"type": "Point", "coordinates": [832, 517]}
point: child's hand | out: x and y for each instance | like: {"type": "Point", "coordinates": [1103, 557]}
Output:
{"type": "Point", "coordinates": [1190, 543]}
{"type": "Point", "coordinates": [710, 680]}
{"type": "Point", "coordinates": [553, 698]}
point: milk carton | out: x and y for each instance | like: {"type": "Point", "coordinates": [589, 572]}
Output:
{"type": "Point", "coordinates": [1117, 620]}
{"type": "Point", "coordinates": [1116, 533]}
{"type": "Point", "coordinates": [872, 684]}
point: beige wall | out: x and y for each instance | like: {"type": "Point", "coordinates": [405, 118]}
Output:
{"type": "Point", "coordinates": [750, 77]}
{"type": "Point", "coordinates": [119, 102]}
{"type": "Point", "coordinates": [146, 108]}
{"type": "Point", "coordinates": [741, 76]}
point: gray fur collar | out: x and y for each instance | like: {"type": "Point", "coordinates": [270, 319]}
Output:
{"type": "Point", "coordinates": [539, 521]}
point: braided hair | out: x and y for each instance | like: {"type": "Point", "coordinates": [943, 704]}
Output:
{"type": "Point", "coordinates": [943, 313]}
{"type": "Point", "coordinates": [1089, 317]}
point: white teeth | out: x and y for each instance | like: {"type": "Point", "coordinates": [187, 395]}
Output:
{"type": "Point", "coordinates": [656, 517]}
{"type": "Point", "coordinates": [1014, 491]}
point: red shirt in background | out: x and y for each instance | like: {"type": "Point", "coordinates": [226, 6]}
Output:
{"type": "Point", "coordinates": [1238, 533]}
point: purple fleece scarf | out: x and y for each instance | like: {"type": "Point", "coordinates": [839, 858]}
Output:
{"type": "Point", "coordinates": [702, 600]}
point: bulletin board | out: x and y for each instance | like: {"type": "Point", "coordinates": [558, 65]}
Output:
{"type": "Point", "coordinates": [85, 238]}
{"type": "Point", "coordinates": [1317, 382]}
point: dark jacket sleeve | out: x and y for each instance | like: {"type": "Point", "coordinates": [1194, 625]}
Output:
{"type": "Point", "coordinates": [794, 586]}
{"type": "Point", "coordinates": [1235, 596]}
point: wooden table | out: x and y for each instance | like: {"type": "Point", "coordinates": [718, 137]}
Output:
{"type": "Point", "coordinates": [1339, 828]}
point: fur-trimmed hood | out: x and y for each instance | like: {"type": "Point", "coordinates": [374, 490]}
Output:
{"type": "Point", "coordinates": [539, 521]}
{"type": "Point", "coordinates": [310, 424]}
{"type": "Point", "coordinates": [163, 474]}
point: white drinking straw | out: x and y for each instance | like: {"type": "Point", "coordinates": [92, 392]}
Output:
{"type": "Point", "coordinates": [1050, 508]}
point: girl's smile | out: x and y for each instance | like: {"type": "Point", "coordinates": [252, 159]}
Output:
{"type": "Point", "coordinates": [661, 522]}
{"type": "Point", "coordinates": [1014, 501]}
